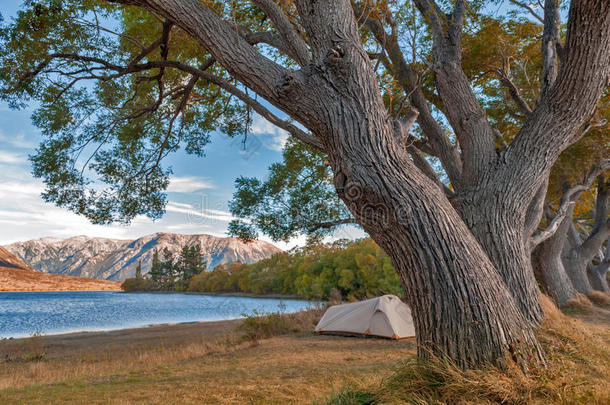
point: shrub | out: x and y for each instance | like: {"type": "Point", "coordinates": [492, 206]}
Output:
{"type": "Point", "coordinates": [138, 284]}
{"type": "Point", "coordinates": [263, 326]}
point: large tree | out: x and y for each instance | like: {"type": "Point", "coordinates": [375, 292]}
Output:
{"type": "Point", "coordinates": [182, 67]}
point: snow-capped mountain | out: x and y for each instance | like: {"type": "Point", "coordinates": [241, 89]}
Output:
{"type": "Point", "coordinates": [115, 259]}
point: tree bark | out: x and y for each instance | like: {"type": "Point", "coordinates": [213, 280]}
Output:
{"type": "Point", "coordinates": [461, 307]}
{"type": "Point", "coordinates": [598, 276]}
{"type": "Point", "coordinates": [495, 206]}
{"type": "Point", "coordinates": [576, 267]}
{"type": "Point", "coordinates": [578, 258]}
{"type": "Point", "coordinates": [548, 263]}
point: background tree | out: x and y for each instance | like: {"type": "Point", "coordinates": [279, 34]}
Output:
{"type": "Point", "coordinates": [139, 270]}
{"type": "Point", "coordinates": [189, 264]}
{"type": "Point", "coordinates": [177, 68]}
{"type": "Point", "coordinates": [156, 273]}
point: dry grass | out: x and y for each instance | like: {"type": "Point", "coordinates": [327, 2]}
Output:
{"type": "Point", "coordinates": [577, 372]}
{"type": "Point", "coordinates": [600, 299]}
{"type": "Point", "coordinates": [579, 305]}
{"type": "Point", "coordinates": [294, 368]}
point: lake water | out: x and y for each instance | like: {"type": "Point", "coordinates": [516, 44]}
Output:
{"type": "Point", "coordinates": [25, 313]}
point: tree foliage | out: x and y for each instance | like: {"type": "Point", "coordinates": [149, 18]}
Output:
{"type": "Point", "coordinates": [109, 109]}
{"type": "Point", "coordinates": [296, 197]}
{"type": "Point", "coordinates": [357, 270]}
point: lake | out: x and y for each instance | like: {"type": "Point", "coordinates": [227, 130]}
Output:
{"type": "Point", "coordinates": [25, 313]}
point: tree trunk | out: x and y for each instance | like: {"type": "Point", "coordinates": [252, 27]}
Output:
{"type": "Point", "coordinates": [598, 276]}
{"type": "Point", "coordinates": [547, 262]}
{"type": "Point", "coordinates": [576, 267]}
{"type": "Point", "coordinates": [500, 231]}
{"type": "Point", "coordinates": [578, 258]}
{"type": "Point", "coordinates": [461, 306]}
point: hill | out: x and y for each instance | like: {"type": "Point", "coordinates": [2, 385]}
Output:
{"type": "Point", "coordinates": [115, 259]}
{"type": "Point", "coordinates": [15, 275]}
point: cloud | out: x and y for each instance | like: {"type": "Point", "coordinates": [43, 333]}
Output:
{"type": "Point", "coordinates": [198, 214]}
{"type": "Point", "coordinates": [11, 157]}
{"type": "Point", "coordinates": [188, 184]}
{"type": "Point", "coordinates": [18, 140]}
{"type": "Point", "coordinates": [14, 189]}
{"type": "Point", "coordinates": [279, 137]}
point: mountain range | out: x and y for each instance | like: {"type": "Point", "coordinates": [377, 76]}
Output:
{"type": "Point", "coordinates": [117, 259]}
{"type": "Point", "coordinates": [15, 275]}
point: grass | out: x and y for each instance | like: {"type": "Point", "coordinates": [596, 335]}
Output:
{"type": "Point", "coordinates": [276, 360]}
{"type": "Point", "coordinates": [577, 373]}
{"type": "Point", "coordinates": [289, 365]}
{"type": "Point", "coordinates": [23, 351]}
{"type": "Point", "coordinates": [600, 299]}
{"type": "Point", "coordinates": [263, 326]}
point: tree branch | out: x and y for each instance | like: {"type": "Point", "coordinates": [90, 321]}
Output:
{"type": "Point", "coordinates": [550, 128]}
{"type": "Point", "coordinates": [568, 200]}
{"type": "Point", "coordinates": [287, 32]}
{"type": "Point", "coordinates": [243, 62]}
{"type": "Point", "coordinates": [528, 8]}
{"type": "Point", "coordinates": [550, 40]}
{"type": "Point", "coordinates": [331, 224]}
{"type": "Point", "coordinates": [460, 104]}
{"type": "Point", "coordinates": [514, 91]}
{"type": "Point", "coordinates": [553, 225]}
{"type": "Point", "coordinates": [409, 79]}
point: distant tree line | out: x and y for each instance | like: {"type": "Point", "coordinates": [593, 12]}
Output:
{"type": "Point", "coordinates": [170, 273]}
{"type": "Point", "coordinates": [356, 270]}
{"type": "Point", "coordinates": [351, 270]}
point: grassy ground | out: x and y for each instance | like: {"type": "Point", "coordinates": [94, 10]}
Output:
{"type": "Point", "coordinates": [244, 363]}
{"type": "Point", "coordinates": [241, 366]}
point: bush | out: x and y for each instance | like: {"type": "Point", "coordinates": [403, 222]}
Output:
{"type": "Point", "coordinates": [358, 270]}
{"type": "Point", "coordinates": [259, 326]}
{"type": "Point", "coordinates": [138, 284]}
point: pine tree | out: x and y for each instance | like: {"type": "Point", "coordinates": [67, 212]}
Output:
{"type": "Point", "coordinates": [168, 270]}
{"type": "Point", "coordinates": [155, 270]}
{"type": "Point", "coordinates": [139, 270]}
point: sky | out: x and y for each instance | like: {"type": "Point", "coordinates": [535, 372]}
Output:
{"type": "Point", "coordinates": [198, 194]}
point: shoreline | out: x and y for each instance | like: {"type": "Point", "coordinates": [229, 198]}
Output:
{"type": "Point", "coordinates": [226, 294]}
{"type": "Point", "coordinates": [132, 330]}
{"type": "Point", "coordinates": [135, 330]}
{"type": "Point", "coordinates": [212, 294]}
{"type": "Point", "coordinates": [26, 291]}
{"type": "Point", "coordinates": [135, 338]}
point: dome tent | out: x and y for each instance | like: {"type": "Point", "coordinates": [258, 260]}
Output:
{"type": "Point", "coordinates": [385, 316]}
